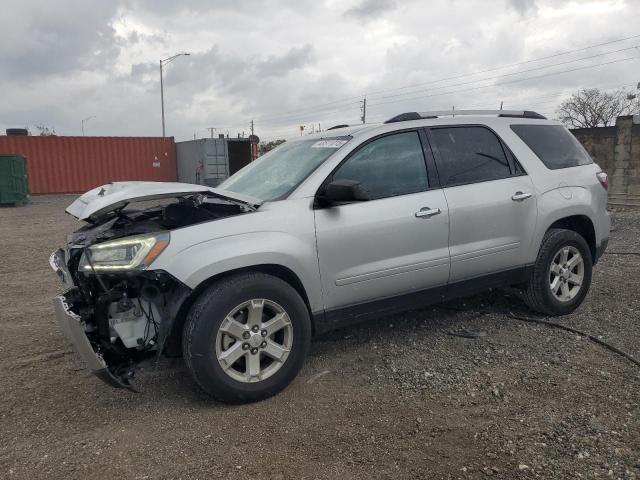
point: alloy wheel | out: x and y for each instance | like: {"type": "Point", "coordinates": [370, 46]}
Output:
{"type": "Point", "coordinates": [566, 273]}
{"type": "Point", "coordinates": [254, 340]}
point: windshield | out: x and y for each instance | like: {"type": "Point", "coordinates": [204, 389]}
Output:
{"type": "Point", "coordinates": [278, 172]}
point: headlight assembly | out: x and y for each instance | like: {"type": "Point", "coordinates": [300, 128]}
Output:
{"type": "Point", "coordinates": [124, 254]}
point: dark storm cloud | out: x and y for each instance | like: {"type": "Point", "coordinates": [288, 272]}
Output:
{"type": "Point", "coordinates": [370, 8]}
{"type": "Point", "coordinates": [227, 70]}
{"type": "Point", "coordinates": [171, 7]}
{"type": "Point", "coordinates": [138, 70]}
{"type": "Point", "coordinates": [524, 6]}
{"type": "Point", "coordinates": [40, 38]}
{"type": "Point", "coordinates": [213, 67]}
{"type": "Point", "coordinates": [279, 66]}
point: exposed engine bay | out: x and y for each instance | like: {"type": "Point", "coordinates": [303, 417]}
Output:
{"type": "Point", "coordinates": [181, 213]}
{"type": "Point", "coordinates": [127, 311]}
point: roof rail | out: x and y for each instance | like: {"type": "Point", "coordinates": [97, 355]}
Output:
{"type": "Point", "coordinates": [403, 117]}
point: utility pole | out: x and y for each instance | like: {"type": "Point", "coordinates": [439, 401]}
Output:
{"type": "Point", "coordinates": [212, 129]}
{"type": "Point", "coordinates": [364, 110]}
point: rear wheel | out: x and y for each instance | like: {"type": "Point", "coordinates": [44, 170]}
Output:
{"type": "Point", "coordinates": [562, 274]}
{"type": "Point", "coordinates": [246, 337]}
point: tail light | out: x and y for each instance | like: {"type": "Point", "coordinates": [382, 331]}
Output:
{"type": "Point", "coordinates": [603, 178]}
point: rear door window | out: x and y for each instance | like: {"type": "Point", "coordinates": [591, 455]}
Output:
{"type": "Point", "coordinates": [554, 145]}
{"type": "Point", "coordinates": [469, 155]}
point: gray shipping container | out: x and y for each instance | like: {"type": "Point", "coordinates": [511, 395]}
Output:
{"type": "Point", "coordinates": [208, 161]}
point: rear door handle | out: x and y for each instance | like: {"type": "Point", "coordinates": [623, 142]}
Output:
{"type": "Point", "coordinates": [519, 196]}
{"type": "Point", "coordinates": [426, 212]}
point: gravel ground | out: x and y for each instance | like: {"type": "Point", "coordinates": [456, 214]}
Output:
{"type": "Point", "coordinates": [397, 398]}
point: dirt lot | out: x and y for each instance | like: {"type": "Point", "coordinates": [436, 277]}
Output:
{"type": "Point", "coordinates": [396, 398]}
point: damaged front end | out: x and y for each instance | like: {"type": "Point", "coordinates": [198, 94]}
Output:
{"type": "Point", "coordinates": [116, 309]}
{"type": "Point", "coordinates": [115, 320]}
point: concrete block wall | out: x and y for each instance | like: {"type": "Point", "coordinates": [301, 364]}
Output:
{"type": "Point", "coordinates": [633, 171]}
{"type": "Point", "coordinates": [617, 151]}
{"type": "Point", "coordinates": [600, 143]}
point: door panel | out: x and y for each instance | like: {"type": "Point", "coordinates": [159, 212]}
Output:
{"type": "Point", "coordinates": [490, 231]}
{"type": "Point", "coordinates": [376, 249]}
{"type": "Point", "coordinates": [492, 206]}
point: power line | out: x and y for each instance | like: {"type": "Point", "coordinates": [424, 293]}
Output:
{"type": "Point", "coordinates": [377, 92]}
{"type": "Point", "coordinates": [309, 109]}
{"type": "Point", "coordinates": [542, 67]}
{"type": "Point", "coordinates": [301, 117]}
{"type": "Point", "coordinates": [488, 104]}
{"type": "Point", "coordinates": [552, 95]}
{"type": "Point", "coordinates": [283, 118]}
{"type": "Point", "coordinates": [276, 131]}
{"type": "Point", "coordinates": [508, 65]}
{"type": "Point", "coordinates": [337, 110]}
{"type": "Point", "coordinates": [509, 82]}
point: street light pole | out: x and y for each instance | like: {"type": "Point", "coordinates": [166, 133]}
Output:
{"type": "Point", "coordinates": [162, 98]}
{"type": "Point", "coordinates": [162, 64]}
{"type": "Point", "coordinates": [86, 120]}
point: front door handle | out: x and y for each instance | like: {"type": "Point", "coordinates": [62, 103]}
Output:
{"type": "Point", "coordinates": [519, 196]}
{"type": "Point", "coordinates": [426, 212]}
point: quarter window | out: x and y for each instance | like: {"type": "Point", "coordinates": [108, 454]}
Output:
{"type": "Point", "coordinates": [469, 155]}
{"type": "Point", "coordinates": [388, 166]}
{"type": "Point", "coordinates": [554, 145]}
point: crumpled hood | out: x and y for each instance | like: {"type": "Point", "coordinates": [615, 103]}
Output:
{"type": "Point", "coordinates": [106, 198]}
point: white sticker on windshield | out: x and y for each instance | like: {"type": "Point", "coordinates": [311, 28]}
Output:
{"type": "Point", "coordinates": [329, 144]}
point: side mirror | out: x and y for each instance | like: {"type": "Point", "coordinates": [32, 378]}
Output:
{"type": "Point", "coordinates": [339, 191]}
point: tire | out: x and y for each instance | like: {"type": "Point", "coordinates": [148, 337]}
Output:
{"type": "Point", "coordinates": [205, 340]}
{"type": "Point", "coordinates": [539, 295]}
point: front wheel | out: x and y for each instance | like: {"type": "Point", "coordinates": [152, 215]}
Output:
{"type": "Point", "coordinates": [562, 274]}
{"type": "Point", "coordinates": [246, 337]}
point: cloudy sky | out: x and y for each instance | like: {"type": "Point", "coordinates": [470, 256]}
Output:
{"type": "Point", "coordinates": [285, 63]}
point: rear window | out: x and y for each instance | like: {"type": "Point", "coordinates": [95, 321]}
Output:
{"type": "Point", "coordinates": [554, 145]}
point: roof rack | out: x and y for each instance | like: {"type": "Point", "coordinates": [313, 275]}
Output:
{"type": "Point", "coordinates": [404, 117]}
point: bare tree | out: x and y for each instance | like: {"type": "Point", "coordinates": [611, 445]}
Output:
{"type": "Point", "coordinates": [592, 107]}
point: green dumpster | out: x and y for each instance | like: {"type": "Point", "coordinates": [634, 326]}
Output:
{"type": "Point", "coordinates": [13, 179]}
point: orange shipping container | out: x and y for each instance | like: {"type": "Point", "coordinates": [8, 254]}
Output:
{"type": "Point", "coordinates": [58, 164]}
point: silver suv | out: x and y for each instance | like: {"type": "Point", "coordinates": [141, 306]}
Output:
{"type": "Point", "coordinates": [330, 229]}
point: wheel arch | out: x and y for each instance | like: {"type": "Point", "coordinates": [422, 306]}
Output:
{"type": "Point", "coordinates": [583, 226]}
{"type": "Point", "coordinates": [280, 271]}
{"type": "Point", "coordinates": [571, 208]}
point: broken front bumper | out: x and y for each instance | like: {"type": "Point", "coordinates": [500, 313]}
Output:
{"type": "Point", "coordinates": [73, 327]}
